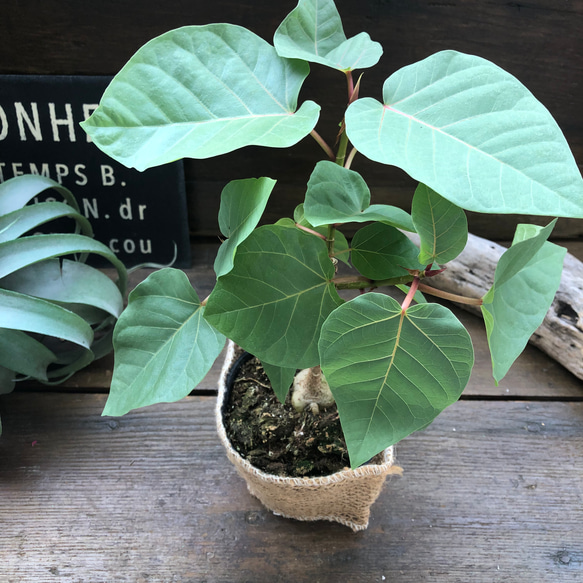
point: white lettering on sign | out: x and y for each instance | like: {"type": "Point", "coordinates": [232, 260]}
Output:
{"type": "Point", "coordinates": [62, 170]}
{"type": "Point", "coordinates": [129, 246]}
{"type": "Point", "coordinates": [81, 176]}
{"type": "Point", "coordinates": [17, 169]}
{"type": "Point", "coordinates": [28, 122]}
{"type": "Point", "coordinates": [33, 124]}
{"type": "Point", "coordinates": [3, 124]}
{"type": "Point", "coordinates": [90, 208]}
{"type": "Point", "coordinates": [44, 170]}
{"type": "Point", "coordinates": [66, 121]}
{"type": "Point", "coordinates": [56, 171]}
{"type": "Point", "coordinates": [107, 177]}
{"type": "Point", "coordinates": [125, 210]}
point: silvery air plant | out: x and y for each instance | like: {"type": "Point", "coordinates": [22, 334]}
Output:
{"type": "Point", "coordinates": [469, 132]}
{"type": "Point", "coordinates": [58, 312]}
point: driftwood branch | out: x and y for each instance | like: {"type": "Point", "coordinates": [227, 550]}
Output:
{"type": "Point", "coordinates": [561, 333]}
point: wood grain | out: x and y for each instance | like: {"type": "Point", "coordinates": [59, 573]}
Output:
{"type": "Point", "coordinates": [538, 41]}
{"type": "Point", "coordinates": [492, 491]}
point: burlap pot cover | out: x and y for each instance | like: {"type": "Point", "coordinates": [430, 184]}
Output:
{"type": "Point", "coordinates": [344, 497]}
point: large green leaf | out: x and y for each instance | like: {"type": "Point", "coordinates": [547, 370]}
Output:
{"type": "Point", "coordinates": [380, 251]}
{"type": "Point", "coordinates": [163, 345]}
{"type": "Point", "coordinates": [528, 240]}
{"type": "Point", "coordinates": [313, 32]}
{"type": "Point", "coordinates": [201, 91]}
{"type": "Point", "coordinates": [242, 204]}
{"type": "Point", "coordinates": [525, 282]}
{"type": "Point", "coordinates": [69, 282]}
{"type": "Point", "coordinates": [392, 372]}
{"type": "Point", "coordinates": [339, 195]}
{"type": "Point", "coordinates": [275, 299]}
{"type": "Point", "coordinates": [473, 133]}
{"type": "Point", "coordinates": [442, 226]}
{"type": "Point", "coordinates": [21, 312]}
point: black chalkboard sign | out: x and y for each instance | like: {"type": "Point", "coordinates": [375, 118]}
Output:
{"type": "Point", "coordinates": [141, 216]}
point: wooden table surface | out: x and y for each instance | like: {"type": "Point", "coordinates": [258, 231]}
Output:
{"type": "Point", "coordinates": [491, 491]}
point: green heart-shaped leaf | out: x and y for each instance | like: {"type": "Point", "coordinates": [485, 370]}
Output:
{"type": "Point", "coordinates": [525, 283]}
{"type": "Point", "coordinates": [275, 299]}
{"type": "Point", "coordinates": [442, 226]}
{"type": "Point", "coordinates": [201, 91]}
{"type": "Point", "coordinates": [392, 372]}
{"type": "Point", "coordinates": [380, 251]}
{"type": "Point", "coordinates": [473, 133]}
{"type": "Point", "coordinates": [177, 346]}
{"type": "Point", "coordinates": [242, 204]}
{"type": "Point", "coordinates": [339, 195]}
{"type": "Point", "coordinates": [313, 32]}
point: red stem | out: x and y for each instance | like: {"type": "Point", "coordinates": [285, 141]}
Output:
{"type": "Point", "coordinates": [350, 86]}
{"type": "Point", "coordinates": [412, 291]}
{"type": "Point", "coordinates": [320, 140]}
{"type": "Point", "coordinates": [311, 231]}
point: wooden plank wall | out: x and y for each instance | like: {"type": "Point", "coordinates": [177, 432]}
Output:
{"type": "Point", "coordinates": [539, 41]}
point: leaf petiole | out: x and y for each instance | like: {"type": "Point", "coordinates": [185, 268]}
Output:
{"type": "Point", "coordinates": [449, 296]}
{"type": "Point", "coordinates": [411, 294]}
{"type": "Point", "coordinates": [322, 143]}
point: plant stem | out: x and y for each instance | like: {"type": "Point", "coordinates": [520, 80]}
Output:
{"type": "Point", "coordinates": [360, 282]}
{"type": "Point", "coordinates": [449, 296]}
{"type": "Point", "coordinates": [350, 82]}
{"type": "Point", "coordinates": [342, 146]}
{"type": "Point", "coordinates": [350, 158]}
{"type": "Point", "coordinates": [330, 239]}
{"type": "Point", "coordinates": [323, 144]}
{"type": "Point", "coordinates": [311, 231]}
{"type": "Point", "coordinates": [409, 297]}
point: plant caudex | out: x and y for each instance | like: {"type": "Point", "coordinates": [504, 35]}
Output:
{"type": "Point", "coordinates": [472, 135]}
{"type": "Point", "coordinates": [58, 313]}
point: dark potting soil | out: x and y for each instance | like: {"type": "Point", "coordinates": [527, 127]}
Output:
{"type": "Point", "coordinates": [274, 437]}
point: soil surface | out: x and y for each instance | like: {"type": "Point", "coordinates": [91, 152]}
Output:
{"type": "Point", "coordinates": [277, 439]}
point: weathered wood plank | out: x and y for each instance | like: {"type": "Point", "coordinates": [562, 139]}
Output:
{"type": "Point", "coordinates": [492, 491]}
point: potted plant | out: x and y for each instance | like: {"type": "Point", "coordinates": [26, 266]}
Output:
{"type": "Point", "coordinates": [58, 313]}
{"type": "Point", "coordinates": [470, 133]}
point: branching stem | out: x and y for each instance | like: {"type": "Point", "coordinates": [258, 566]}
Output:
{"type": "Point", "coordinates": [311, 231]}
{"type": "Point", "coordinates": [409, 297]}
{"type": "Point", "coordinates": [350, 158]}
{"type": "Point", "coordinates": [360, 282]}
{"type": "Point", "coordinates": [330, 239]}
{"type": "Point", "coordinates": [449, 296]}
{"type": "Point", "coordinates": [350, 82]}
{"type": "Point", "coordinates": [342, 146]}
{"type": "Point", "coordinates": [323, 145]}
